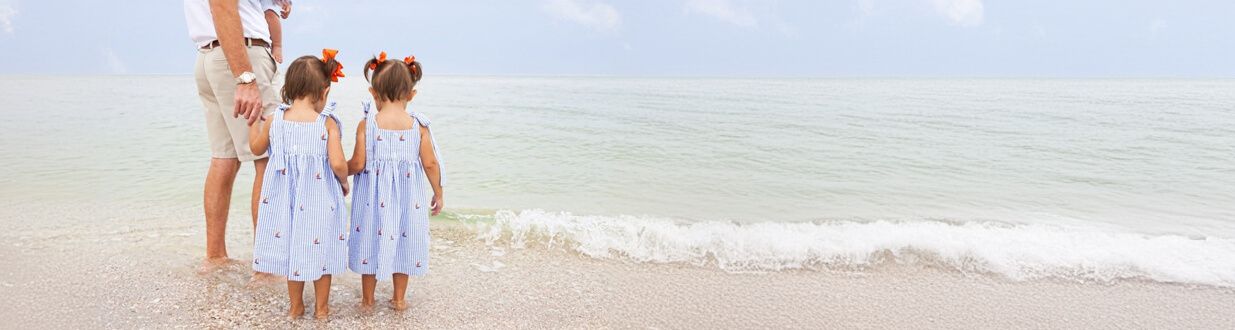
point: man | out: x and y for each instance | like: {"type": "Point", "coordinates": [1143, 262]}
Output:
{"type": "Point", "coordinates": [235, 74]}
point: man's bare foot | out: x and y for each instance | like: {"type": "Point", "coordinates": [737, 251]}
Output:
{"type": "Point", "coordinates": [296, 312]}
{"type": "Point", "coordinates": [321, 313]}
{"type": "Point", "coordinates": [398, 304]}
{"type": "Point", "coordinates": [211, 265]}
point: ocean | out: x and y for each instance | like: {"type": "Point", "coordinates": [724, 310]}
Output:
{"type": "Point", "coordinates": [1060, 166]}
{"type": "Point", "coordinates": [1093, 180]}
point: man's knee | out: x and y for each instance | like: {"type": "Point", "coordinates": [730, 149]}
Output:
{"type": "Point", "coordinates": [231, 165]}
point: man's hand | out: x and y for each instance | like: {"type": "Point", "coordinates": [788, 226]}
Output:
{"type": "Point", "coordinates": [248, 102]}
{"type": "Point", "coordinates": [277, 52]}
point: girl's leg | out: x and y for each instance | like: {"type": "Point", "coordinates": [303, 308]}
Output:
{"type": "Point", "coordinates": [295, 290]}
{"type": "Point", "coordinates": [321, 290]}
{"type": "Point", "coordinates": [398, 302]}
{"type": "Point", "coordinates": [368, 283]}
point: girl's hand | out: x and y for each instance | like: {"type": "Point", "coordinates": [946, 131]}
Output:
{"type": "Point", "coordinates": [287, 10]}
{"type": "Point", "coordinates": [347, 187]}
{"type": "Point", "coordinates": [436, 204]}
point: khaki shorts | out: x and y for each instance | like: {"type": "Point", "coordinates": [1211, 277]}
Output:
{"type": "Point", "coordinates": [216, 86]}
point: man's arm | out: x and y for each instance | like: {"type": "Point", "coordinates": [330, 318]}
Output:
{"type": "Point", "coordinates": [227, 26]}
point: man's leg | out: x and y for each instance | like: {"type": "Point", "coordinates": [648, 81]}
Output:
{"type": "Point", "coordinates": [221, 176]}
{"type": "Point", "coordinates": [216, 202]}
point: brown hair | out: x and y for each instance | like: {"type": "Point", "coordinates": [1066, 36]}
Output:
{"type": "Point", "coordinates": [307, 76]}
{"type": "Point", "coordinates": [392, 79]}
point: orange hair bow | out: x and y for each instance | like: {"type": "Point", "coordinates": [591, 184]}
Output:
{"type": "Point", "coordinates": [409, 60]}
{"type": "Point", "coordinates": [328, 55]}
{"type": "Point", "coordinates": [381, 58]}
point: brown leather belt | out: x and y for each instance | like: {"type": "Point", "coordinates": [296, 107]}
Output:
{"type": "Point", "coordinates": [247, 42]}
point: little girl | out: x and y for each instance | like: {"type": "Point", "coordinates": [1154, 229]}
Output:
{"type": "Point", "coordinates": [301, 223]}
{"type": "Point", "coordinates": [395, 154]}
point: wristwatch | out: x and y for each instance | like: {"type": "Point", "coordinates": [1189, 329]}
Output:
{"type": "Point", "coordinates": [246, 78]}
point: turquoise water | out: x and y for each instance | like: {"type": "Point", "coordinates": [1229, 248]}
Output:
{"type": "Point", "coordinates": [1074, 161]}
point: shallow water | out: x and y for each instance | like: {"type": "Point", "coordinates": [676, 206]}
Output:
{"type": "Point", "coordinates": [956, 168]}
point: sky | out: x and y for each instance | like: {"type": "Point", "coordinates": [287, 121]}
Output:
{"type": "Point", "coordinates": [726, 38]}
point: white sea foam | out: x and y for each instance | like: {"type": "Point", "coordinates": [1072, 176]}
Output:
{"type": "Point", "coordinates": [1016, 251]}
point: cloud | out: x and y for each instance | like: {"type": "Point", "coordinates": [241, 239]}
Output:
{"type": "Point", "coordinates": [961, 12]}
{"type": "Point", "coordinates": [722, 10]}
{"type": "Point", "coordinates": [114, 64]}
{"type": "Point", "coordinates": [590, 13]}
{"type": "Point", "coordinates": [7, 13]}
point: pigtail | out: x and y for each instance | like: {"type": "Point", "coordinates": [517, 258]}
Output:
{"type": "Point", "coordinates": [415, 69]}
{"type": "Point", "coordinates": [329, 67]}
{"type": "Point", "coordinates": [370, 69]}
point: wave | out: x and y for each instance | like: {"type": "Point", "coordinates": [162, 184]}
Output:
{"type": "Point", "coordinates": [1018, 252]}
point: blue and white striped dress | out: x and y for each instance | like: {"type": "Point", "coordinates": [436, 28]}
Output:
{"type": "Point", "coordinates": [390, 203]}
{"type": "Point", "coordinates": [301, 219]}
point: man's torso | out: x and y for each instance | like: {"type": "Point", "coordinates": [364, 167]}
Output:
{"type": "Point", "coordinates": [201, 23]}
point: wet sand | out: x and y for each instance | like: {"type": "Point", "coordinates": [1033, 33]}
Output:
{"type": "Point", "coordinates": [124, 267]}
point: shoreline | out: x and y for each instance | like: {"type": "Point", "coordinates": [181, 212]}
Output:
{"type": "Point", "coordinates": [141, 273]}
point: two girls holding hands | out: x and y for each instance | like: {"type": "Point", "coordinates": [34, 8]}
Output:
{"type": "Point", "coordinates": [303, 229]}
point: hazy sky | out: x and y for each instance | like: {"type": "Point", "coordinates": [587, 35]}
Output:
{"type": "Point", "coordinates": [665, 37]}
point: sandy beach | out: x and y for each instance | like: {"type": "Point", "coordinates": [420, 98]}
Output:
{"type": "Point", "coordinates": [115, 269]}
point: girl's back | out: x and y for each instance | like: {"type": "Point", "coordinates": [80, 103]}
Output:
{"type": "Point", "coordinates": [390, 216]}
{"type": "Point", "coordinates": [301, 229]}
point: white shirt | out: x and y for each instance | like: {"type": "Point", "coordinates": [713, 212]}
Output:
{"type": "Point", "coordinates": [252, 18]}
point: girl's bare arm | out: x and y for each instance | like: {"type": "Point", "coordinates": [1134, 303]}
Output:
{"type": "Point", "coordinates": [334, 151]}
{"type": "Point", "coordinates": [259, 136]}
{"type": "Point", "coordinates": [357, 163]}
{"type": "Point", "coordinates": [428, 159]}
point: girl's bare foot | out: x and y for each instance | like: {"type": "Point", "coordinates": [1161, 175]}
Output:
{"type": "Point", "coordinates": [366, 305]}
{"type": "Point", "coordinates": [321, 313]}
{"type": "Point", "coordinates": [296, 312]}
{"type": "Point", "coordinates": [261, 279]}
{"type": "Point", "coordinates": [398, 304]}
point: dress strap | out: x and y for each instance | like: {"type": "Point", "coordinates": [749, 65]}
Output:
{"type": "Point", "coordinates": [328, 112]}
{"type": "Point", "coordinates": [276, 128]}
{"type": "Point", "coordinates": [370, 129]}
{"type": "Point", "coordinates": [423, 120]}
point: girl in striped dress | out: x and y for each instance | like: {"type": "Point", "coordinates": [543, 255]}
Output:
{"type": "Point", "coordinates": [301, 219]}
{"type": "Point", "coordinates": [394, 158]}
